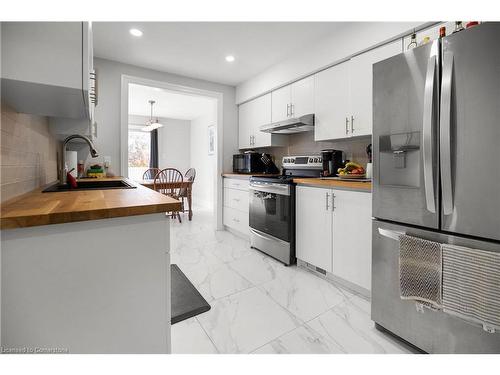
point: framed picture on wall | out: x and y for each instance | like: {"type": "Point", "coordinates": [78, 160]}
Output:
{"type": "Point", "coordinates": [211, 140]}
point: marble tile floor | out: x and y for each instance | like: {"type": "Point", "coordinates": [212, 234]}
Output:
{"type": "Point", "coordinates": [261, 306]}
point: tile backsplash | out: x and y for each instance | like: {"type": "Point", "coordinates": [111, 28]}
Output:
{"type": "Point", "coordinates": [28, 153]}
{"type": "Point", "coordinates": [304, 144]}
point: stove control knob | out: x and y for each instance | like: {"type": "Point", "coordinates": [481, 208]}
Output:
{"type": "Point", "coordinates": [315, 160]}
{"type": "Point", "coordinates": [292, 160]}
{"type": "Point", "coordinates": [285, 160]}
{"type": "Point", "coordinates": [310, 160]}
{"type": "Point", "coordinates": [319, 160]}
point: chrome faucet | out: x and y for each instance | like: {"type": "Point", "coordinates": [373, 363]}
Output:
{"type": "Point", "coordinates": [62, 167]}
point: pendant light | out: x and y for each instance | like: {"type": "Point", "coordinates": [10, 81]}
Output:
{"type": "Point", "coordinates": [152, 124]}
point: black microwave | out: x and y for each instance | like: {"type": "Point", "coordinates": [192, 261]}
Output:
{"type": "Point", "coordinates": [249, 162]}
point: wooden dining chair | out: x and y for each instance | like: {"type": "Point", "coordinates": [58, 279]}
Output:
{"type": "Point", "coordinates": [168, 181]}
{"type": "Point", "coordinates": [150, 173]}
{"type": "Point", "coordinates": [190, 175]}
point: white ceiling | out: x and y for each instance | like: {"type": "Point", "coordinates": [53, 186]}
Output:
{"type": "Point", "coordinates": [198, 49]}
{"type": "Point", "coordinates": [168, 104]}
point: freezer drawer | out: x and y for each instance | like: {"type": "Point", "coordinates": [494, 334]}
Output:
{"type": "Point", "coordinates": [431, 331]}
{"type": "Point", "coordinates": [405, 128]}
{"type": "Point", "coordinates": [470, 132]}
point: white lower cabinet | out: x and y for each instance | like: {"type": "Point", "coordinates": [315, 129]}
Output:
{"type": "Point", "coordinates": [237, 220]}
{"type": "Point", "coordinates": [333, 232]}
{"type": "Point", "coordinates": [352, 240]}
{"type": "Point", "coordinates": [314, 226]}
{"type": "Point", "coordinates": [235, 212]}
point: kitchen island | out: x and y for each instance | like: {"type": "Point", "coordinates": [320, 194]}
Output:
{"type": "Point", "coordinates": [86, 271]}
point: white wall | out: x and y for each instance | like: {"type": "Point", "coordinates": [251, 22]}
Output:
{"type": "Point", "coordinates": [108, 110]}
{"type": "Point", "coordinates": [345, 42]}
{"type": "Point", "coordinates": [205, 164]}
{"type": "Point", "coordinates": [174, 142]}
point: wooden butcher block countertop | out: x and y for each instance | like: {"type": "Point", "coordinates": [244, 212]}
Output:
{"type": "Point", "coordinates": [37, 208]}
{"type": "Point", "coordinates": [342, 184]}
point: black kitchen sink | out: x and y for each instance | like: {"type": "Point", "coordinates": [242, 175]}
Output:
{"type": "Point", "coordinates": [91, 185]}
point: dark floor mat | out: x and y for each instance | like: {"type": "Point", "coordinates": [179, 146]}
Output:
{"type": "Point", "coordinates": [186, 300]}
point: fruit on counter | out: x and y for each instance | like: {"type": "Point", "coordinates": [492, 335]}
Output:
{"type": "Point", "coordinates": [351, 168]}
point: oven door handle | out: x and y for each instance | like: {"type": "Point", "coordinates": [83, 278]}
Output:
{"type": "Point", "coordinates": [266, 237]}
{"type": "Point", "coordinates": [269, 188]}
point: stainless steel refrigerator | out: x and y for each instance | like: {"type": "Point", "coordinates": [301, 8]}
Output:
{"type": "Point", "coordinates": [436, 144]}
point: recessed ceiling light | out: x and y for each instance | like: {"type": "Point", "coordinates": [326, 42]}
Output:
{"type": "Point", "coordinates": [229, 58]}
{"type": "Point", "coordinates": [135, 32]}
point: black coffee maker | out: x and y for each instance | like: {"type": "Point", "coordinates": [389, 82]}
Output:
{"type": "Point", "coordinates": [332, 161]}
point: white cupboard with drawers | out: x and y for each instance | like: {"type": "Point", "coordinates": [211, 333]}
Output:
{"type": "Point", "coordinates": [235, 210]}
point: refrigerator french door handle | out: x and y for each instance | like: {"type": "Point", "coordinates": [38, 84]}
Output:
{"type": "Point", "coordinates": [445, 133]}
{"type": "Point", "coordinates": [427, 129]}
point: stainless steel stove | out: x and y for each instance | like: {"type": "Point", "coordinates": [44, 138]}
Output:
{"type": "Point", "coordinates": [272, 207]}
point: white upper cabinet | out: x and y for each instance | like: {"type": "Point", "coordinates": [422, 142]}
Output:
{"type": "Point", "coordinates": [293, 100]}
{"type": "Point", "coordinates": [281, 100]}
{"type": "Point", "coordinates": [361, 86]}
{"type": "Point", "coordinates": [343, 95]}
{"type": "Point", "coordinates": [302, 93]}
{"type": "Point", "coordinates": [262, 116]}
{"type": "Point", "coordinates": [251, 116]}
{"type": "Point", "coordinates": [314, 226]}
{"type": "Point", "coordinates": [331, 103]}
{"type": "Point", "coordinates": [245, 126]}
{"type": "Point", "coordinates": [352, 237]}
{"type": "Point", "coordinates": [46, 67]}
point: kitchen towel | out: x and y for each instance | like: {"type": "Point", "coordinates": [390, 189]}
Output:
{"type": "Point", "coordinates": [471, 285]}
{"type": "Point", "coordinates": [71, 162]}
{"type": "Point", "coordinates": [420, 270]}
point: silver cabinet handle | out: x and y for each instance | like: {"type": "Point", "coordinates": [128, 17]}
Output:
{"type": "Point", "coordinates": [347, 125]}
{"type": "Point", "coordinates": [327, 196]}
{"type": "Point", "coordinates": [291, 109]}
{"type": "Point", "coordinates": [352, 124]}
{"type": "Point", "coordinates": [236, 220]}
{"type": "Point", "coordinates": [333, 202]}
{"type": "Point", "coordinates": [445, 137]}
{"type": "Point", "coordinates": [236, 199]}
{"type": "Point", "coordinates": [429, 116]}
{"type": "Point", "coordinates": [288, 110]}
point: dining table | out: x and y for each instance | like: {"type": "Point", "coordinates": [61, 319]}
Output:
{"type": "Point", "coordinates": [188, 185]}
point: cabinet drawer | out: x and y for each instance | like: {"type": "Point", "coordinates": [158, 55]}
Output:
{"type": "Point", "coordinates": [236, 183]}
{"type": "Point", "coordinates": [237, 199]}
{"type": "Point", "coordinates": [236, 220]}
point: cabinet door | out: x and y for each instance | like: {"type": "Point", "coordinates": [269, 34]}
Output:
{"type": "Point", "coordinates": [262, 116]}
{"type": "Point", "coordinates": [302, 97]}
{"type": "Point", "coordinates": [244, 125]}
{"type": "Point", "coordinates": [314, 226]}
{"type": "Point", "coordinates": [281, 100]}
{"type": "Point", "coordinates": [331, 103]}
{"type": "Point", "coordinates": [352, 228]}
{"type": "Point", "coordinates": [361, 86]}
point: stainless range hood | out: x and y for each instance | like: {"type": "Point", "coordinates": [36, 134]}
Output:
{"type": "Point", "coordinates": [290, 126]}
